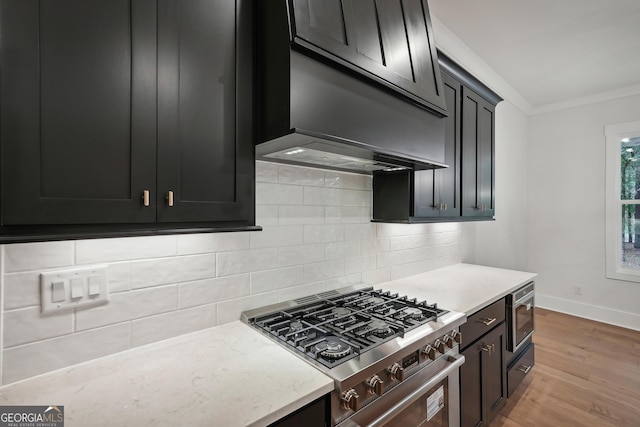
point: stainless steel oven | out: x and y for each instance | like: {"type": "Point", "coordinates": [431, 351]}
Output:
{"type": "Point", "coordinates": [395, 360]}
{"type": "Point", "coordinates": [520, 316]}
{"type": "Point", "coordinates": [429, 398]}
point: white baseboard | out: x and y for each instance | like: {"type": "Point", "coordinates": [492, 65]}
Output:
{"type": "Point", "coordinates": [591, 312]}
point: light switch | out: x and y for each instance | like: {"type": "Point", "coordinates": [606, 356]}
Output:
{"type": "Point", "coordinates": [94, 286]}
{"type": "Point", "coordinates": [58, 291]}
{"type": "Point", "coordinates": [77, 288]}
{"type": "Point", "coordinates": [70, 288]}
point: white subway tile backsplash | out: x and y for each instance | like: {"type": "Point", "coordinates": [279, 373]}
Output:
{"type": "Point", "coordinates": [360, 264]}
{"type": "Point", "coordinates": [302, 254]}
{"type": "Point", "coordinates": [126, 306]}
{"type": "Point", "coordinates": [375, 246]}
{"type": "Point", "coordinates": [247, 261]}
{"type": "Point", "coordinates": [336, 250]}
{"type": "Point", "coordinates": [323, 233]}
{"type": "Point", "coordinates": [404, 270]}
{"type": "Point", "coordinates": [165, 271]}
{"type": "Point", "coordinates": [268, 280]}
{"type": "Point", "coordinates": [375, 277]}
{"type": "Point", "coordinates": [407, 242]}
{"type": "Point", "coordinates": [229, 311]}
{"type": "Point", "coordinates": [347, 215]}
{"type": "Point", "coordinates": [32, 359]}
{"type": "Point", "coordinates": [317, 236]}
{"type": "Point", "coordinates": [336, 197]}
{"type": "Point", "coordinates": [297, 175]}
{"type": "Point", "coordinates": [266, 215]}
{"type": "Point", "coordinates": [266, 171]}
{"type": "Point", "coordinates": [301, 214]}
{"type": "Point", "coordinates": [21, 290]}
{"type": "Point", "coordinates": [209, 291]}
{"type": "Point", "coordinates": [352, 181]}
{"type": "Point", "coordinates": [119, 277]}
{"type": "Point", "coordinates": [124, 249]}
{"type": "Point", "coordinates": [274, 236]}
{"type": "Point", "coordinates": [323, 270]}
{"type": "Point", "coordinates": [28, 324]}
{"type": "Point", "coordinates": [359, 231]}
{"type": "Point", "coordinates": [37, 256]}
{"type": "Point", "coordinates": [278, 194]}
{"type": "Point", "coordinates": [190, 244]}
{"type": "Point", "coordinates": [168, 325]}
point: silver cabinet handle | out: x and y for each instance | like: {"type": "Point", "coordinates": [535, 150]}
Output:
{"type": "Point", "coordinates": [487, 320]}
{"type": "Point", "coordinates": [170, 198]}
{"type": "Point", "coordinates": [524, 369]}
{"type": "Point", "coordinates": [145, 197]}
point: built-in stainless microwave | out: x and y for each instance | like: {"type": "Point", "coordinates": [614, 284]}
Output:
{"type": "Point", "coordinates": [520, 316]}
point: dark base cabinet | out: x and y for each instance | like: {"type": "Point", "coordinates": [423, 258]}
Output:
{"type": "Point", "coordinates": [315, 414]}
{"type": "Point", "coordinates": [483, 382]}
{"type": "Point", "coordinates": [519, 368]}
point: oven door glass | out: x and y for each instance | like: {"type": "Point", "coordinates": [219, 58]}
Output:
{"type": "Point", "coordinates": [429, 410]}
{"type": "Point", "coordinates": [523, 320]}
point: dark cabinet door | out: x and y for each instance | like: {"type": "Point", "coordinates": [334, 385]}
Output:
{"type": "Point", "coordinates": [390, 41]}
{"type": "Point", "coordinates": [483, 390]}
{"type": "Point", "coordinates": [205, 145]}
{"type": "Point", "coordinates": [478, 186]}
{"type": "Point", "coordinates": [78, 111]}
{"type": "Point", "coordinates": [437, 192]}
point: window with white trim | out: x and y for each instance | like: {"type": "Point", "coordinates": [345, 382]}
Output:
{"type": "Point", "coordinates": [623, 201]}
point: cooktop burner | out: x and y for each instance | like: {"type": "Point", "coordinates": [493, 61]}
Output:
{"type": "Point", "coordinates": [334, 327]}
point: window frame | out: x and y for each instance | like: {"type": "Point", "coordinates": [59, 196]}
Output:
{"type": "Point", "coordinates": [614, 133]}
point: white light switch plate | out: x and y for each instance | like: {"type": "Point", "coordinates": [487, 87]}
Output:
{"type": "Point", "coordinates": [81, 287]}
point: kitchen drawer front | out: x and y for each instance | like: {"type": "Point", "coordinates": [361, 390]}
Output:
{"type": "Point", "coordinates": [482, 322]}
{"type": "Point", "coordinates": [520, 369]}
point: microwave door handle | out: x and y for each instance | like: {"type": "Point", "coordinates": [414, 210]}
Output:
{"type": "Point", "coordinates": [524, 298]}
{"type": "Point", "coordinates": [387, 416]}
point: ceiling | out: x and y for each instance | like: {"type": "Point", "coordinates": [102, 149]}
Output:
{"type": "Point", "coordinates": [551, 51]}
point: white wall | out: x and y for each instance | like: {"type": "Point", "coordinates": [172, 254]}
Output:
{"type": "Point", "coordinates": [317, 236]}
{"type": "Point", "coordinates": [566, 191]}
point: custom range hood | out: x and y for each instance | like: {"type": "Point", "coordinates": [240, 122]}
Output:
{"type": "Point", "coordinates": [316, 109]}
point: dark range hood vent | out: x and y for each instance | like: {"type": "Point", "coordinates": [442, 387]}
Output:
{"type": "Point", "coordinates": [315, 112]}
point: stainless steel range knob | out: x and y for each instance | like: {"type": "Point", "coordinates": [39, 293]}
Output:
{"type": "Point", "coordinates": [439, 345]}
{"type": "Point", "coordinates": [457, 336]}
{"type": "Point", "coordinates": [350, 400]}
{"type": "Point", "coordinates": [375, 385]}
{"type": "Point", "coordinates": [396, 372]}
{"type": "Point", "coordinates": [430, 352]}
{"type": "Point", "coordinates": [448, 341]}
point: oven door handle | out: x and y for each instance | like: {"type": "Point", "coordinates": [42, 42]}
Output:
{"type": "Point", "coordinates": [456, 361]}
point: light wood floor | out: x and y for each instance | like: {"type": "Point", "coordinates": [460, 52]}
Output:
{"type": "Point", "coordinates": [586, 374]}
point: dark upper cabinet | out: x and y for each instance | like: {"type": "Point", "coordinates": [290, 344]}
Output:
{"type": "Point", "coordinates": [465, 191]}
{"type": "Point", "coordinates": [389, 41]}
{"type": "Point", "coordinates": [104, 101]}
{"type": "Point", "coordinates": [77, 110]}
{"type": "Point", "coordinates": [205, 128]}
{"type": "Point", "coordinates": [478, 164]}
{"type": "Point", "coordinates": [438, 192]}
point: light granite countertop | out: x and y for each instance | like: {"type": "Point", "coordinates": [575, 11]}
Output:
{"type": "Point", "coordinates": [216, 377]}
{"type": "Point", "coordinates": [462, 287]}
